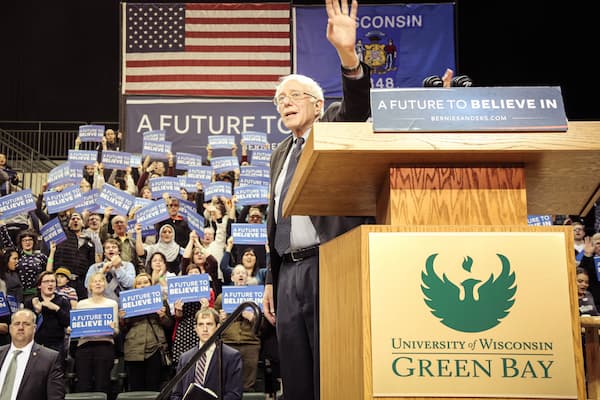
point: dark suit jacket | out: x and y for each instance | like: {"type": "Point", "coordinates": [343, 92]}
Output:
{"type": "Point", "coordinates": [354, 107]}
{"type": "Point", "coordinates": [43, 377]}
{"type": "Point", "coordinates": [232, 374]}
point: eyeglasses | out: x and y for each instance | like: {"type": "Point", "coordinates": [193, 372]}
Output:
{"type": "Point", "coordinates": [27, 240]}
{"type": "Point", "coordinates": [294, 96]}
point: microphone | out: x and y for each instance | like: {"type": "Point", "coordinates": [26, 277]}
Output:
{"type": "Point", "coordinates": [462, 81]}
{"type": "Point", "coordinates": [433, 81]}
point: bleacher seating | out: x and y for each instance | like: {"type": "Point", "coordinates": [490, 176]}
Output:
{"type": "Point", "coordinates": [86, 396]}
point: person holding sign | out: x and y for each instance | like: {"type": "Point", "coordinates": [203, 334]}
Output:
{"type": "Point", "coordinates": [292, 286]}
{"type": "Point", "coordinates": [240, 335]}
{"type": "Point", "coordinates": [8, 273]}
{"type": "Point", "coordinates": [95, 355]}
{"type": "Point", "coordinates": [144, 336]}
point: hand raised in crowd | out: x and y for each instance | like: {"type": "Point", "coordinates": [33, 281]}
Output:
{"type": "Point", "coordinates": [588, 246]}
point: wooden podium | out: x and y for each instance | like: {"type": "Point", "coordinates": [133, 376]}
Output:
{"type": "Point", "coordinates": [429, 182]}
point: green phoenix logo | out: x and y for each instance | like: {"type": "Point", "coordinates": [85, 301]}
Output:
{"type": "Point", "coordinates": [469, 313]}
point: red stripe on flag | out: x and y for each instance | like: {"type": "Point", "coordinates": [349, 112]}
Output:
{"type": "Point", "coordinates": [238, 6]}
{"type": "Point", "coordinates": [207, 63]}
{"type": "Point", "coordinates": [202, 78]}
{"type": "Point", "coordinates": [238, 49]}
{"type": "Point", "coordinates": [220, 35]}
{"type": "Point", "coordinates": [209, 92]}
{"type": "Point", "coordinates": [235, 21]}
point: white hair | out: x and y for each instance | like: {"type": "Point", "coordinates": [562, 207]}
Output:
{"type": "Point", "coordinates": [311, 85]}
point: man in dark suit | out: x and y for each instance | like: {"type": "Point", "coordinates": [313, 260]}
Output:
{"type": "Point", "coordinates": [206, 370]}
{"type": "Point", "coordinates": [292, 283]}
{"type": "Point", "coordinates": [42, 377]}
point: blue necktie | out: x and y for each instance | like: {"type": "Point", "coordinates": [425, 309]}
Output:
{"type": "Point", "coordinates": [284, 224]}
{"type": "Point", "coordinates": [200, 368]}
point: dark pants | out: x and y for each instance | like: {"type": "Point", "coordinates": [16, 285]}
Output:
{"type": "Point", "coordinates": [144, 375]}
{"type": "Point", "coordinates": [298, 328]}
{"type": "Point", "coordinates": [93, 363]}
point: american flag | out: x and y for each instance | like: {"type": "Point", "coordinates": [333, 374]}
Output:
{"type": "Point", "coordinates": [205, 49]}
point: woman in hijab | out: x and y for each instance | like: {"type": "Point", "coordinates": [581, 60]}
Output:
{"type": "Point", "coordinates": [166, 245]}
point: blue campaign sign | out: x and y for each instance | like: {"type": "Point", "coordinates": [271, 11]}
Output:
{"type": "Point", "coordinates": [91, 133]}
{"type": "Point", "coordinates": [255, 171]}
{"type": "Point", "coordinates": [248, 195]}
{"type": "Point", "coordinates": [221, 142]}
{"type": "Point", "coordinates": [256, 138]}
{"type": "Point", "coordinates": [187, 160]}
{"type": "Point", "coordinates": [79, 158]}
{"type": "Point", "coordinates": [142, 301]}
{"type": "Point", "coordinates": [17, 203]}
{"type": "Point", "coordinates": [189, 121]}
{"type": "Point", "coordinates": [12, 303]}
{"type": "Point", "coordinates": [217, 189]}
{"type": "Point", "coordinates": [195, 222]}
{"type": "Point", "coordinates": [224, 164]}
{"type": "Point", "coordinates": [4, 306]}
{"type": "Point", "coordinates": [116, 159]}
{"type": "Point", "coordinates": [249, 181]}
{"type": "Point", "coordinates": [402, 43]}
{"type": "Point", "coordinates": [158, 135]}
{"type": "Point", "coordinates": [67, 198]}
{"type": "Point", "coordinates": [165, 184]}
{"type": "Point", "coordinates": [539, 220]}
{"type": "Point", "coordinates": [61, 175]}
{"type": "Point", "coordinates": [146, 230]}
{"type": "Point", "coordinates": [88, 201]}
{"type": "Point", "coordinates": [135, 160]}
{"type": "Point", "coordinates": [249, 233]}
{"type": "Point", "coordinates": [156, 149]}
{"type": "Point", "coordinates": [119, 200]}
{"type": "Point", "coordinates": [260, 158]}
{"type": "Point", "coordinates": [52, 231]}
{"type": "Point", "coordinates": [152, 213]}
{"type": "Point", "coordinates": [233, 296]}
{"type": "Point", "coordinates": [92, 322]}
{"type": "Point", "coordinates": [468, 109]}
{"type": "Point", "coordinates": [188, 288]}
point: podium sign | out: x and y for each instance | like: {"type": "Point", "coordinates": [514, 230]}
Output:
{"type": "Point", "coordinates": [471, 109]}
{"type": "Point", "coordinates": [475, 314]}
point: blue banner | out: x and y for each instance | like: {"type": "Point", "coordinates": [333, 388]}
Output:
{"type": "Point", "coordinates": [91, 133]}
{"type": "Point", "coordinates": [16, 203]}
{"type": "Point", "coordinates": [187, 160]}
{"type": "Point", "coordinates": [249, 233]}
{"type": "Point", "coordinates": [468, 109]}
{"type": "Point", "coordinates": [80, 158]}
{"type": "Point", "coordinates": [146, 230]}
{"type": "Point", "coordinates": [119, 200]}
{"type": "Point", "coordinates": [61, 175]}
{"type": "Point", "coordinates": [67, 198]}
{"type": "Point", "coordinates": [203, 174]}
{"type": "Point", "coordinates": [152, 213]}
{"type": "Point", "coordinates": [142, 301]}
{"type": "Point", "coordinates": [402, 43]}
{"type": "Point", "coordinates": [188, 288]}
{"type": "Point", "coordinates": [92, 322]}
{"type": "Point", "coordinates": [233, 296]}
{"type": "Point", "coordinates": [116, 159]}
{"type": "Point", "coordinates": [12, 303]}
{"type": "Point", "coordinates": [189, 121]}
{"type": "Point", "coordinates": [52, 231]}
{"type": "Point", "coordinates": [248, 195]}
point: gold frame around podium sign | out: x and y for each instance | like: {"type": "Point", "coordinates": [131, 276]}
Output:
{"type": "Point", "coordinates": [429, 182]}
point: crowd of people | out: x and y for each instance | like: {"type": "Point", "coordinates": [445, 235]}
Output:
{"type": "Point", "coordinates": [103, 255]}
